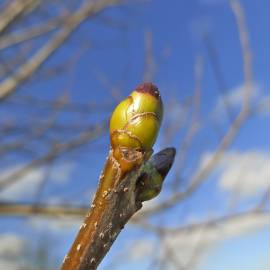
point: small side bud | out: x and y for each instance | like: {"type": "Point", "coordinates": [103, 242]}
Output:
{"type": "Point", "coordinates": [156, 169]}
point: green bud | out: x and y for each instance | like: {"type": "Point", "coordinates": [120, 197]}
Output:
{"type": "Point", "coordinates": [135, 122]}
{"type": "Point", "coordinates": [153, 174]}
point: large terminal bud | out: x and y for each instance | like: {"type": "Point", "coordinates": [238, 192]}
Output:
{"type": "Point", "coordinates": [135, 124]}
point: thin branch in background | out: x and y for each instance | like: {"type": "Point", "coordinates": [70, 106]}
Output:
{"type": "Point", "coordinates": [233, 130]}
{"type": "Point", "coordinates": [37, 198]}
{"type": "Point", "coordinates": [212, 223]}
{"type": "Point", "coordinates": [10, 84]}
{"type": "Point", "coordinates": [8, 40]}
{"type": "Point", "coordinates": [264, 201]}
{"type": "Point", "coordinates": [246, 51]}
{"type": "Point", "coordinates": [14, 10]}
{"type": "Point", "coordinates": [172, 127]}
{"type": "Point", "coordinates": [169, 257]}
{"type": "Point", "coordinates": [66, 210]}
{"type": "Point", "coordinates": [215, 64]}
{"type": "Point", "coordinates": [8, 64]}
{"type": "Point", "coordinates": [194, 122]}
{"type": "Point", "coordinates": [53, 153]}
{"type": "Point", "coordinates": [113, 90]}
{"type": "Point", "coordinates": [68, 106]}
{"type": "Point", "coordinates": [149, 64]}
{"type": "Point", "coordinates": [44, 210]}
{"type": "Point", "coordinates": [37, 131]}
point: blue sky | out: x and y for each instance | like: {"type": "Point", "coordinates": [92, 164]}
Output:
{"type": "Point", "coordinates": [252, 248]}
{"type": "Point", "coordinates": [117, 52]}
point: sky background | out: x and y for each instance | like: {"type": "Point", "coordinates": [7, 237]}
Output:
{"type": "Point", "coordinates": [117, 53]}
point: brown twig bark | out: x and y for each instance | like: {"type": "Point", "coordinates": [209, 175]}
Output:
{"type": "Point", "coordinates": [111, 209]}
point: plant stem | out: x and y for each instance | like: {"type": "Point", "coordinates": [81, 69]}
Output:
{"type": "Point", "coordinates": [115, 202]}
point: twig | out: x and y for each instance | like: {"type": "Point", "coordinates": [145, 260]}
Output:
{"type": "Point", "coordinates": [21, 210]}
{"type": "Point", "coordinates": [53, 153]}
{"type": "Point", "coordinates": [14, 10]}
{"type": "Point", "coordinates": [110, 212]}
{"type": "Point", "coordinates": [211, 223]}
{"type": "Point", "coordinates": [9, 85]}
{"type": "Point", "coordinates": [9, 40]}
{"type": "Point", "coordinates": [193, 126]}
{"type": "Point", "coordinates": [149, 62]}
{"type": "Point", "coordinates": [215, 64]}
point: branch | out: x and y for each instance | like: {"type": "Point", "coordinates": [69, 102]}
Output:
{"type": "Point", "coordinates": [215, 65]}
{"type": "Point", "coordinates": [19, 209]}
{"type": "Point", "coordinates": [194, 122]}
{"type": "Point", "coordinates": [252, 214]}
{"type": "Point", "coordinates": [103, 224]}
{"type": "Point", "coordinates": [9, 85]}
{"type": "Point", "coordinates": [55, 151]}
{"type": "Point", "coordinates": [14, 10]}
{"type": "Point", "coordinates": [31, 32]}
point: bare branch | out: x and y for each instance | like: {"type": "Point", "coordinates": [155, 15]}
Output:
{"type": "Point", "coordinates": [234, 128]}
{"type": "Point", "coordinates": [9, 40]}
{"type": "Point", "coordinates": [212, 222]}
{"type": "Point", "coordinates": [193, 126]}
{"type": "Point", "coordinates": [109, 213]}
{"type": "Point", "coordinates": [222, 86]}
{"type": "Point", "coordinates": [149, 65]}
{"type": "Point", "coordinates": [90, 8]}
{"type": "Point", "coordinates": [20, 209]}
{"type": "Point", "coordinates": [54, 152]}
{"type": "Point", "coordinates": [14, 10]}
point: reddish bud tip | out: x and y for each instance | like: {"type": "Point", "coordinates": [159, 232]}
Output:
{"type": "Point", "coordinates": [148, 88]}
